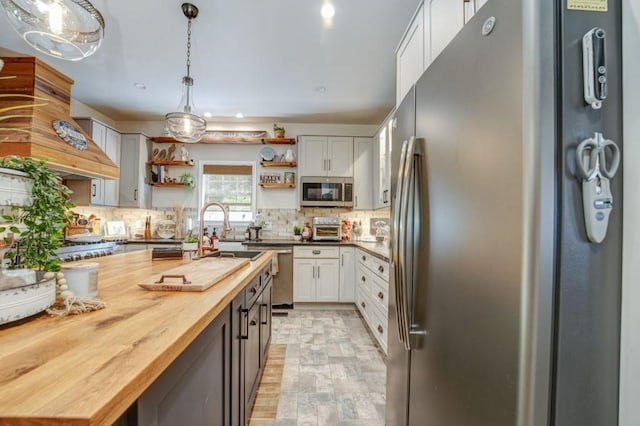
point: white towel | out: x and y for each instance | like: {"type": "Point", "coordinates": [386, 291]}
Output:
{"type": "Point", "coordinates": [274, 264]}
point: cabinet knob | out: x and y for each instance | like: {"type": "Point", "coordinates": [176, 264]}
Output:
{"type": "Point", "coordinates": [363, 304]}
{"type": "Point", "coordinates": [381, 268]}
{"type": "Point", "coordinates": [380, 329]}
{"type": "Point", "coordinates": [380, 295]}
{"type": "Point", "coordinates": [363, 279]}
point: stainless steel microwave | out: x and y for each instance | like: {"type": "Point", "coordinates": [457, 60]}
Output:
{"type": "Point", "coordinates": [326, 192]}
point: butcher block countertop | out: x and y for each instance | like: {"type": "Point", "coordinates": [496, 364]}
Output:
{"type": "Point", "coordinates": [88, 369]}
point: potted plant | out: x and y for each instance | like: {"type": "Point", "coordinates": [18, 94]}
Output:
{"type": "Point", "coordinates": [190, 243]}
{"type": "Point", "coordinates": [188, 180]}
{"type": "Point", "coordinates": [37, 224]}
{"type": "Point", "coordinates": [278, 131]}
{"type": "Point", "coordinates": [297, 230]}
{"type": "Point", "coordinates": [40, 224]}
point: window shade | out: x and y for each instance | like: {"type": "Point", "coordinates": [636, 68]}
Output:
{"type": "Point", "coordinates": [225, 169]}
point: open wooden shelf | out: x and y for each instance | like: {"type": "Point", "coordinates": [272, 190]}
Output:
{"type": "Point", "coordinates": [230, 139]}
{"type": "Point", "coordinates": [169, 163]}
{"type": "Point", "coordinates": [278, 185]}
{"type": "Point", "coordinates": [168, 184]}
{"type": "Point", "coordinates": [279, 163]}
{"type": "Point", "coordinates": [279, 141]}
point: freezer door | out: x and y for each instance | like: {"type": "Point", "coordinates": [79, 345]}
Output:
{"type": "Point", "coordinates": [397, 356]}
{"type": "Point", "coordinates": [469, 109]}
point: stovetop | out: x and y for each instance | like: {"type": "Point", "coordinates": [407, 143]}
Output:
{"type": "Point", "coordinates": [71, 251]}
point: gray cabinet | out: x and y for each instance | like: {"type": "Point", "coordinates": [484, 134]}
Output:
{"type": "Point", "coordinates": [134, 191]}
{"type": "Point", "coordinates": [194, 389]}
{"type": "Point", "coordinates": [214, 381]}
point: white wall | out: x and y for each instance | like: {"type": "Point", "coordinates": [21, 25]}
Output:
{"type": "Point", "coordinates": [630, 337]}
{"type": "Point", "coordinates": [78, 109]}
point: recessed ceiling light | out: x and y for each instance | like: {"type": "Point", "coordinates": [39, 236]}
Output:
{"type": "Point", "coordinates": [327, 11]}
{"type": "Point", "coordinates": [140, 86]}
{"type": "Point", "coordinates": [321, 89]}
{"type": "Point", "coordinates": [207, 114]}
{"type": "Point", "coordinates": [239, 115]}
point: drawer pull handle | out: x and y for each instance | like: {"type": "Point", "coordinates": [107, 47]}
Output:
{"type": "Point", "coordinates": [254, 289]}
{"type": "Point", "coordinates": [363, 304]}
{"type": "Point", "coordinates": [380, 295]}
{"type": "Point", "coordinates": [253, 322]}
{"type": "Point", "coordinates": [363, 279]}
{"type": "Point", "coordinates": [184, 279]}
{"type": "Point", "coordinates": [316, 252]}
{"type": "Point", "coordinates": [380, 329]}
{"type": "Point", "coordinates": [380, 268]}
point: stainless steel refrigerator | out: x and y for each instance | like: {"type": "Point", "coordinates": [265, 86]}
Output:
{"type": "Point", "coordinates": [503, 310]}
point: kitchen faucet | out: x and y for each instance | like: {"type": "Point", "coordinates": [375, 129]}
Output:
{"type": "Point", "coordinates": [225, 226]}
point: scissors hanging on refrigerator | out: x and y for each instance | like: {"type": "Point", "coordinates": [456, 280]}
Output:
{"type": "Point", "coordinates": [597, 161]}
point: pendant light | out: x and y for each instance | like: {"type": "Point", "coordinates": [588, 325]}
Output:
{"type": "Point", "coordinates": [64, 29]}
{"type": "Point", "coordinates": [186, 125]}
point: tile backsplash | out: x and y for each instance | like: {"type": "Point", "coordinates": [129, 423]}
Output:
{"type": "Point", "coordinates": [278, 223]}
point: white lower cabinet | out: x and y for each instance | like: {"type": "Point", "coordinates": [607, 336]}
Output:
{"type": "Point", "coordinates": [347, 274]}
{"type": "Point", "coordinates": [372, 294]}
{"type": "Point", "coordinates": [316, 274]}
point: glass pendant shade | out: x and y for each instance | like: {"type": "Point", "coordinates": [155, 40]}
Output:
{"type": "Point", "coordinates": [64, 29]}
{"type": "Point", "coordinates": [186, 125]}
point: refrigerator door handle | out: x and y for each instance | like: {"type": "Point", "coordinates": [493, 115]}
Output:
{"type": "Point", "coordinates": [409, 246]}
{"type": "Point", "coordinates": [398, 249]}
{"type": "Point", "coordinates": [416, 206]}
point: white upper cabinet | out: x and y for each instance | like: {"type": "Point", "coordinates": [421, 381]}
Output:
{"type": "Point", "coordinates": [362, 173]}
{"type": "Point", "coordinates": [410, 56]}
{"type": "Point", "coordinates": [104, 192]}
{"type": "Point", "coordinates": [134, 192]}
{"type": "Point", "coordinates": [326, 156]}
{"type": "Point", "coordinates": [434, 25]}
{"type": "Point", "coordinates": [446, 20]}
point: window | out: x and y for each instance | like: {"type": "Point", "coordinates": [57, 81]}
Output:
{"type": "Point", "coordinates": [232, 184]}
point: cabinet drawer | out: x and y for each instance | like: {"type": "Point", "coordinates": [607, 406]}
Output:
{"type": "Point", "coordinates": [363, 304]}
{"type": "Point", "coordinates": [316, 252]}
{"type": "Point", "coordinates": [378, 322]}
{"type": "Point", "coordinates": [364, 278]}
{"type": "Point", "coordinates": [380, 294]}
{"type": "Point", "coordinates": [378, 266]}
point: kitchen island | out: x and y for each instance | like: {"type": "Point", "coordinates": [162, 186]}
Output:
{"type": "Point", "coordinates": [89, 369]}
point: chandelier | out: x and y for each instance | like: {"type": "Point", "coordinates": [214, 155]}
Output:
{"type": "Point", "coordinates": [64, 29]}
{"type": "Point", "coordinates": [185, 125]}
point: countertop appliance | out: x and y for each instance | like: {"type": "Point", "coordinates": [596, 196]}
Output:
{"type": "Point", "coordinates": [326, 191]}
{"type": "Point", "coordinates": [503, 312]}
{"type": "Point", "coordinates": [326, 229]}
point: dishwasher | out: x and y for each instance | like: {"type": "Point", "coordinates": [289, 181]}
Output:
{"type": "Point", "coordinates": [282, 278]}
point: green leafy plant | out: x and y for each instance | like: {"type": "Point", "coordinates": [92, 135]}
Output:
{"type": "Point", "coordinates": [44, 220]}
{"type": "Point", "coordinates": [190, 239]}
{"type": "Point", "coordinates": [297, 229]}
{"type": "Point", "coordinates": [188, 180]}
{"type": "Point", "coordinates": [278, 131]}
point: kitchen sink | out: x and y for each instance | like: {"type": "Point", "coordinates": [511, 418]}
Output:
{"type": "Point", "coordinates": [242, 254]}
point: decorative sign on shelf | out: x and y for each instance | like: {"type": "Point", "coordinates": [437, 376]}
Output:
{"type": "Point", "coordinates": [70, 134]}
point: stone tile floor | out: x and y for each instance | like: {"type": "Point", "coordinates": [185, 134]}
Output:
{"type": "Point", "coordinates": [333, 371]}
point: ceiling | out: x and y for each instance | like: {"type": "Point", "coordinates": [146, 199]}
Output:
{"type": "Point", "coordinates": [265, 59]}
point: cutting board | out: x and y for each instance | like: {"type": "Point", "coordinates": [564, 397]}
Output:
{"type": "Point", "coordinates": [198, 275]}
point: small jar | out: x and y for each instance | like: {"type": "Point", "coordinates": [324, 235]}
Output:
{"type": "Point", "coordinates": [82, 278]}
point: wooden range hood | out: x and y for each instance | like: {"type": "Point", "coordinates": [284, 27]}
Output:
{"type": "Point", "coordinates": [31, 76]}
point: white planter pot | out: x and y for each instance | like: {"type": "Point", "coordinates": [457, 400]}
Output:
{"type": "Point", "coordinates": [189, 246]}
{"type": "Point", "coordinates": [24, 301]}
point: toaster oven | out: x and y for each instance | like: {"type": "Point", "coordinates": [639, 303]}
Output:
{"type": "Point", "coordinates": [327, 229]}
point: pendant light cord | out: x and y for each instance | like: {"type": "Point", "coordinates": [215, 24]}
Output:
{"type": "Point", "coordinates": [188, 47]}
